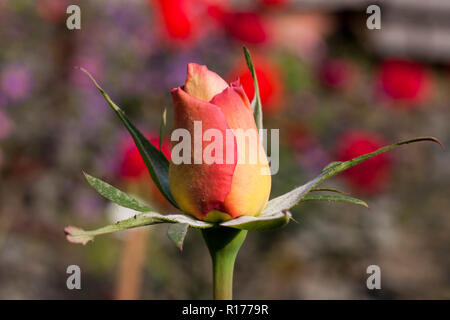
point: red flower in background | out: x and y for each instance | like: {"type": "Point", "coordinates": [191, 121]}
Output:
{"type": "Point", "coordinates": [132, 166]}
{"type": "Point", "coordinates": [404, 81]}
{"type": "Point", "coordinates": [277, 3]}
{"type": "Point", "coordinates": [52, 10]}
{"type": "Point", "coordinates": [337, 74]}
{"type": "Point", "coordinates": [134, 174]}
{"type": "Point", "coordinates": [186, 21]}
{"type": "Point", "coordinates": [371, 175]}
{"type": "Point", "coordinates": [246, 26]}
{"type": "Point", "coordinates": [176, 17]}
{"type": "Point", "coordinates": [269, 80]}
{"type": "Point", "coordinates": [299, 137]}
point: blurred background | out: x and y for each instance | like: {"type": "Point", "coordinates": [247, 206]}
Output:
{"type": "Point", "coordinates": [334, 88]}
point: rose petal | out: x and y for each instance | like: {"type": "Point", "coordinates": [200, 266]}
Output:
{"type": "Point", "coordinates": [250, 188]}
{"type": "Point", "coordinates": [201, 188]}
{"type": "Point", "coordinates": [202, 83]}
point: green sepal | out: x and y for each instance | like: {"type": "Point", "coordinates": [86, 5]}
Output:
{"type": "Point", "coordinates": [156, 162]}
{"type": "Point", "coordinates": [292, 198]}
{"type": "Point", "coordinates": [177, 232]}
{"type": "Point", "coordinates": [115, 195]}
{"type": "Point", "coordinates": [256, 102]}
{"type": "Point", "coordinates": [339, 198]}
{"type": "Point", "coordinates": [78, 235]}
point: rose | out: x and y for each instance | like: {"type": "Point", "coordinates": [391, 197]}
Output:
{"type": "Point", "coordinates": [406, 82]}
{"type": "Point", "coordinates": [218, 191]}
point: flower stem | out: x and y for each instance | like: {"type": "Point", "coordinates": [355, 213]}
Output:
{"type": "Point", "coordinates": [223, 244]}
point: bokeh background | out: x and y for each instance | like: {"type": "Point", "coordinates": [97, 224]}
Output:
{"type": "Point", "coordinates": [334, 89]}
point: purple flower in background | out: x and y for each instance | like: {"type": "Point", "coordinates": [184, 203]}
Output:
{"type": "Point", "coordinates": [95, 110]}
{"type": "Point", "coordinates": [135, 82]}
{"type": "Point", "coordinates": [92, 64]}
{"type": "Point", "coordinates": [5, 126]}
{"type": "Point", "coordinates": [87, 205]}
{"type": "Point", "coordinates": [127, 18]}
{"type": "Point", "coordinates": [176, 70]}
{"type": "Point", "coordinates": [143, 41]}
{"type": "Point", "coordinates": [313, 158]}
{"type": "Point", "coordinates": [16, 81]}
{"type": "Point", "coordinates": [3, 100]}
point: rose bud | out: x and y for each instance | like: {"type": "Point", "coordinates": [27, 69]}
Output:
{"type": "Point", "coordinates": [237, 183]}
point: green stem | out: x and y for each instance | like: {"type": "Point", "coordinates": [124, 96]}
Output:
{"type": "Point", "coordinates": [223, 244]}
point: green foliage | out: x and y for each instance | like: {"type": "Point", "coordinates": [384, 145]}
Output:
{"type": "Point", "coordinates": [156, 162]}
{"type": "Point", "coordinates": [328, 189]}
{"type": "Point", "coordinates": [177, 232]}
{"type": "Point", "coordinates": [162, 127]}
{"type": "Point", "coordinates": [331, 165]}
{"type": "Point", "coordinates": [274, 215]}
{"type": "Point", "coordinates": [115, 195]}
{"type": "Point", "coordinates": [292, 198]}
{"type": "Point", "coordinates": [77, 235]}
{"type": "Point", "coordinates": [256, 102]}
{"type": "Point", "coordinates": [274, 221]}
{"type": "Point", "coordinates": [326, 197]}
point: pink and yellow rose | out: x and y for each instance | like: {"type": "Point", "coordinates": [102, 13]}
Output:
{"type": "Point", "coordinates": [218, 191]}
